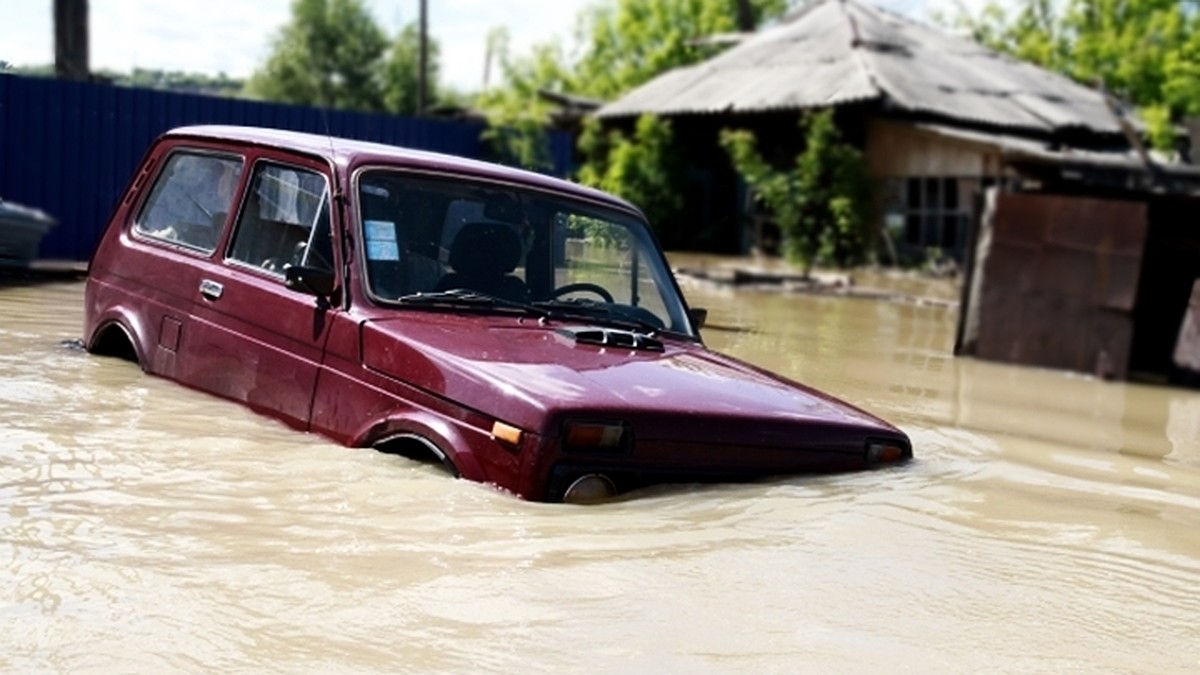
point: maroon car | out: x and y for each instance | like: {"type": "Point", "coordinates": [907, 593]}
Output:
{"type": "Point", "coordinates": [523, 330]}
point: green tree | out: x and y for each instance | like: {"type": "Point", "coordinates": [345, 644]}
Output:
{"type": "Point", "coordinates": [402, 72]}
{"type": "Point", "coordinates": [179, 81]}
{"type": "Point", "coordinates": [819, 202]}
{"type": "Point", "coordinates": [640, 168]}
{"type": "Point", "coordinates": [43, 70]}
{"type": "Point", "coordinates": [1146, 51]}
{"type": "Point", "coordinates": [516, 114]}
{"type": "Point", "coordinates": [628, 42]}
{"type": "Point", "coordinates": [621, 44]}
{"type": "Point", "coordinates": [330, 54]}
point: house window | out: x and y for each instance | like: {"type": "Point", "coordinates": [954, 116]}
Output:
{"type": "Point", "coordinates": [935, 212]}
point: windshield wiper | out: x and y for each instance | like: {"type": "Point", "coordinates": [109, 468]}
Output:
{"type": "Point", "coordinates": [465, 297]}
{"type": "Point", "coordinates": [599, 312]}
{"type": "Point", "coordinates": [578, 308]}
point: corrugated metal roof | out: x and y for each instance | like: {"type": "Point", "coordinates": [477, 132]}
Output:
{"type": "Point", "coordinates": [838, 51]}
{"type": "Point", "coordinates": [1019, 147]}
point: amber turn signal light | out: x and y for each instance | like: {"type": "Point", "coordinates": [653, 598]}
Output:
{"type": "Point", "coordinates": [506, 433]}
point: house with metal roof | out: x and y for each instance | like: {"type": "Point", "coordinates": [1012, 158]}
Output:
{"type": "Point", "coordinates": [1085, 257]}
{"type": "Point", "coordinates": [938, 117]}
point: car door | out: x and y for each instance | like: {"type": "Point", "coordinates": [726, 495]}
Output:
{"type": "Point", "coordinates": [175, 233]}
{"type": "Point", "coordinates": [262, 342]}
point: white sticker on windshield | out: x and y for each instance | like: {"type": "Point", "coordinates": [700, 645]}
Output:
{"type": "Point", "coordinates": [380, 230]}
{"type": "Point", "coordinates": [383, 250]}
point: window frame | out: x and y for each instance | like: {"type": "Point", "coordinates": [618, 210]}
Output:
{"type": "Point", "coordinates": [161, 165]}
{"type": "Point", "coordinates": [256, 163]}
{"type": "Point", "coordinates": [931, 213]}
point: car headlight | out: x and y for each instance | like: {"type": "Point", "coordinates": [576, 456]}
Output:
{"type": "Point", "coordinates": [579, 436]}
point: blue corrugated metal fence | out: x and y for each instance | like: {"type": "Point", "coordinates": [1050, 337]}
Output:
{"type": "Point", "coordinates": [68, 148]}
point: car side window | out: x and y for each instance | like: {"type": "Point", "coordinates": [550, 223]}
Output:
{"type": "Point", "coordinates": [285, 221]}
{"type": "Point", "coordinates": [191, 199]}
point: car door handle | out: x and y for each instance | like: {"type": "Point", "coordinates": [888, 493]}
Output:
{"type": "Point", "coordinates": [211, 289]}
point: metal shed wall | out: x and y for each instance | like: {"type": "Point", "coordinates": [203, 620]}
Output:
{"type": "Point", "coordinates": [1055, 282]}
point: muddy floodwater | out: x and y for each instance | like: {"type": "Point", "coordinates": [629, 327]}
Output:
{"type": "Point", "coordinates": [1050, 524]}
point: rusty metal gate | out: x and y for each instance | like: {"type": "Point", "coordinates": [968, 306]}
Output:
{"type": "Point", "coordinates": [1053, 281]}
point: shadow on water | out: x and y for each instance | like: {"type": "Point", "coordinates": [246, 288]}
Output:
{"type": "Point", "coordinates": [726, 328]}
{"type": "Point", "coordinates": [15, 273]}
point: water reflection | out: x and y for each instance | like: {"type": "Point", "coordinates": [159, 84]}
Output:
{"type": "Point", "coordinates": [1047, 525]}
{"type": "Point", "coordinates": [1183, 429]}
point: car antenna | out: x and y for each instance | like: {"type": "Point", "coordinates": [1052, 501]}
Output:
{"type": "Point", "coordinates": [336, 197]}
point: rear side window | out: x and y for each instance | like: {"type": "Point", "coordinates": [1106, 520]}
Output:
{"type": "Point", "coordinates": [285, 221]}
{"type": "Point", "coordinates": [191, 199]}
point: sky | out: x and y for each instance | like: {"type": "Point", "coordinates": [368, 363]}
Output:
{"type": "Point", "coordinates": [234, 36]}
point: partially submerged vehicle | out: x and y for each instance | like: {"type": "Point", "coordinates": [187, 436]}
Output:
{"type": "Point", "coordinates": [524, 331]}
{"type": "Point", "coordinates": [21, 231]}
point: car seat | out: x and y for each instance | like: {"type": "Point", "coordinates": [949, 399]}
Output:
{"type": "Point", "coordinates": [482, 258]}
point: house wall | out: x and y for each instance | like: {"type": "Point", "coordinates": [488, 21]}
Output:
{"type": "Point", "coordinates": [901, 150]}
{"type": "Point", "coordinates": [924, 184]}
{"type": "Point", "coordinates": [926, 188]}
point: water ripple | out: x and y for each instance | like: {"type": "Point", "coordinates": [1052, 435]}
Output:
{"type": "Point", "coordinates": [1047, 525]}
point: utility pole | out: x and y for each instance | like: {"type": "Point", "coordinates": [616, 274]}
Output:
{"type": "Point", "coordinates": [71, 39]}
{"type": "Point", "coordinates": [422, 84]}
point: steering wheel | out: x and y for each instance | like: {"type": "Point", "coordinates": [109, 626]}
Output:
{"type": "Point", "coordinates": [582, 287]}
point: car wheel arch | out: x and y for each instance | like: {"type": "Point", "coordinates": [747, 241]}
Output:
{"type": "Point", "coordinates": [434, 436]}
{"type": "Point", "coordinates": [417, 447]}
{"type": "Point", "coordinates": [113, 338]}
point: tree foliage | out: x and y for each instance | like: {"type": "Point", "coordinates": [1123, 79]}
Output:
{"type": "Point", "coordinates": [402, 71]}
{"type": "Point", "coordinates": [330, 54]}
{"type": "Point", "coordinates": [516, 114]}
{"type": "Point", "coordinates": [1147, 51]}
{"type": "Point", "coordinates": [618, 45]}
{"type": "Point", "coordinates": [150, 78]}
{"type": "Point", "coordinates": [819, 202]}
{"type": "Point", "coordinates": [519, 141]}
{"type": "Point", "coordinates": [639, 168]}
{"type": "Point", "coordinates": [333, 53]}
{"type": "Point", "coordinates": [628, 42]}
{"type": "Point", "coordinates": [174, 80]}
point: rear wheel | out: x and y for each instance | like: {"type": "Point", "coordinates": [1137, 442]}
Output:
{"type": "Point", "coordinates": [112, 340]}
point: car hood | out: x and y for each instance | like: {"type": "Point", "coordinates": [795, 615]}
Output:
{"type": "Point", "coordinates": [534, 376]}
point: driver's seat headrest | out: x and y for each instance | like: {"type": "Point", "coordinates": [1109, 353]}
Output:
{"type": "Point", "coordinates": [485, 250]}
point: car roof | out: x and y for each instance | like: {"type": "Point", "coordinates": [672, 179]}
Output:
{"type": "Point", "coordinates": [348, 152]}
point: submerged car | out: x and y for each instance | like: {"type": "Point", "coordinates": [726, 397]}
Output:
{"type": "Point", "coordinates": [522, 330]}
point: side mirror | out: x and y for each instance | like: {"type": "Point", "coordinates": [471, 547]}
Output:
{"type": "Point", "coordinates": [698, 316]}
{"type": "Point", "coordinates": [311, 280]}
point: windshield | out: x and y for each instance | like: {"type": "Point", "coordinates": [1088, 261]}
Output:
{"type": "Point", "coordinates": [433, 241]}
